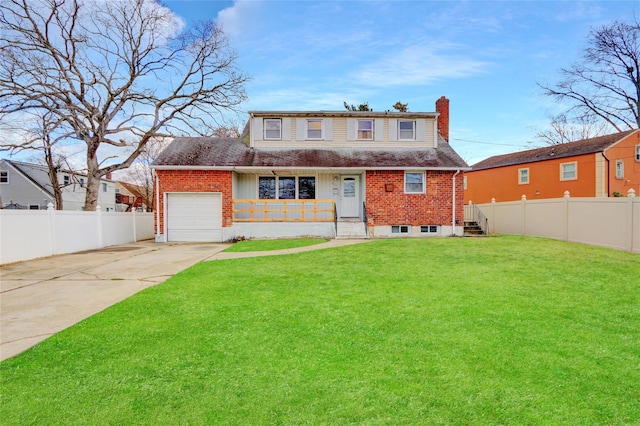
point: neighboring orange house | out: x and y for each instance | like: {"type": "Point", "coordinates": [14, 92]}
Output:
{"type": "Point", "coordinates": [604, 166]}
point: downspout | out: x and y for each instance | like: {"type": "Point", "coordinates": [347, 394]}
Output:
{"type": "Point", "coordinates": [607, 173]}
{"type": "Point", "coordinates": [453, 203]}
{"type": "Point", "coordinates": [157, 207]}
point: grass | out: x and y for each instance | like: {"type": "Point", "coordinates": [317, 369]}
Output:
{"type": "Point", "coordinates": [267, 245]}
{"type": "Point", "coordinates": [504, 330]}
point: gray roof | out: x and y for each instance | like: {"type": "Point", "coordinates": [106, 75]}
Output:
{"type": "Point", "coordinates": [585, 146]}
{"type": "Point", "coordinates": [232, 153]}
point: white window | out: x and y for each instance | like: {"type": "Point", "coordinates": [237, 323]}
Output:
{"type": "Point", "coordinates": [365, 130]}
{"type": "Point", "coordinates": [569, 171]}
{"type": "Point", "coordinates": [4, 176]}
{"type": "Point", "coordinates": [272, 128]}
{"type": "Point", "coordinates": [619, 169]}
{"type": "Point", "coordinates": [66, 180]}
{"type": "Point", "coordinates": [104, 187]}
{"type": "Point", "coordinates": [400, 229]}
{"type": "Point", "coordinates": [637, 152]}
{"type": "Point", "coordinates": [428, 229]}
{"type": "Point", "coordinates": [464, 182]}
{"type": "Point", "coordinates": [523, 176]}
{"type": "Point", "coordinates": [82, 182]}
{"type": "Point", "coordinates": [414, 183]}
{"type": "Point", "coordinates": [406, 130]}
{"type": "Point", "coordinates": [314, 128]}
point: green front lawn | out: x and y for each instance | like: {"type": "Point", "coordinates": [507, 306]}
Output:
{"type": "Point", "coordinates": [268, 245]}
{"type": "Point", "coordinates": [503, 330]}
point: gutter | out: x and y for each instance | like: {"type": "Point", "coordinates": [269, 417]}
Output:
{"type": "Point", "coordinates": [607, 173]}
{"type": "Point", "coordinates": [453, 203]}
{"type": "Point", "coordinates": [157, 207]}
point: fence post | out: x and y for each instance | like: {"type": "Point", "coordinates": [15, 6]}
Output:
{"type": "Point", "coordinates": [631, 195]}
{"type": "Point", "coordinates": [52, 228]}
{"type": "Point", "coordinates": [135, 238]}
{"type": "Point", "coordinates": [524, 214]}
{"type": "Point", "coordinates": [566, 197]}
{"type": "Point", "coordinates": [492, 221]}
{"type": "Point", "coordinates": [99, 225]}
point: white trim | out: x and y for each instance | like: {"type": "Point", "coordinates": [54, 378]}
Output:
{"type": "Point", "coordinates": [562, 178]}
{"type": "Point", "coordinates": [621, 169]}
{"type": "Point", "coordinates": [522, 181]}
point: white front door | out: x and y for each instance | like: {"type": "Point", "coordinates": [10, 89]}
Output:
{"type": "Point", "coordinates": [350, 196]}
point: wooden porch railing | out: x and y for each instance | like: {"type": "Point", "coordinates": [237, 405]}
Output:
{"type": "Point", "coordinates": [247, 210]}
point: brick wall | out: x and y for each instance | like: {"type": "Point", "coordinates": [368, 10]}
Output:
{"type": "Point", "coordinates": [394, 207]}
{"type": "Point", "coordinates": [197, 181]}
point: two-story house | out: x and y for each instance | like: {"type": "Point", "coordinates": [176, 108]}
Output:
{"type": "Point", "coordinates": [27, 186]}
{"type": "Point", "coordinates": [314, 173]}
{"type": "Point", "coordinates": [604, 166]}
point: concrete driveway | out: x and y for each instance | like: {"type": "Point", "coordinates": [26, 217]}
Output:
{"type": "Point", "coordinates": [41, 297]}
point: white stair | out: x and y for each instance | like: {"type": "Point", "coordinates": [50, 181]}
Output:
{"type": "Point", "coordinates": [351, 230]}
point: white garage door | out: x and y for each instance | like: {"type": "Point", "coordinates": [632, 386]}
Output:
{"type": "Point", "coordinates": [194, 217]}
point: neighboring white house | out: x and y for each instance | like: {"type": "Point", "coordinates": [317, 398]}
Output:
{"type": "Point", "coordinates": [27, 186]}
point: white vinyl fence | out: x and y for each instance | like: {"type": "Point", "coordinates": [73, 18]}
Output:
{"type": "Point", "coordinates": [29, 234]}
{"type": "Point", "coordinates": [606, 222]}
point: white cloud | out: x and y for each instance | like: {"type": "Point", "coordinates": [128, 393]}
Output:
{"type": "Point", "coordinates": [239, 18]}
{"type": "Point", "coordinates": [420, 65]}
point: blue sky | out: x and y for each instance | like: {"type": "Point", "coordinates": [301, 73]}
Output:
{"type": "Point", "coordinates": [485, 56]}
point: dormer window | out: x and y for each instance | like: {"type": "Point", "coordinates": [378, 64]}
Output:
{"type": "Point", "coordinates": [272, 128]}
{"type": "Point", "coordinates": [406, 130]}
{"type": "Point", "coordinates": [314, 128]}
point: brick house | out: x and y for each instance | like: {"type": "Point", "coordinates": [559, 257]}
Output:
{"type": "Point", "coordinates": [334, 174]}
{"type": "Point", "coordinates": [604, 166]}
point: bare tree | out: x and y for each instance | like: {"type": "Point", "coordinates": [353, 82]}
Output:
{"type": "Point", "coordinates": [605, 81]}
{"type": "Point", "coordinates": [560, 130]}
{"type": "Point", "coordinates": [114, 75]}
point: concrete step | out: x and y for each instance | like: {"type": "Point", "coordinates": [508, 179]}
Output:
{"type": "Point", "coordinates": [351, 230]}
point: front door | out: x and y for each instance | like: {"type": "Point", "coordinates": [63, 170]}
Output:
{"type": "Point", "coordinates": [350, 196]}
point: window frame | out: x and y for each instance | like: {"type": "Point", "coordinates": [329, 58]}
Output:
{"type": "Point", "coordinates": [638, 153]}
{"type": "Point", "coordinates": [277, 187]}
{"type": "Point", "coordinates": [372, 129]}
{"type": "Point", "coordinates": [4, 177]}
{"type": "Point", "coordinates": [66, 180]}
{"type": "Point", "coordinates": [562, 171]}
{"type": "Point", "coordinates": [413, 131]}
{"type": "Point", "coordinates": [401, 229]}
{"type": "Point", "coordinates": [307, 129]}
{"type": "Point", "coordinates": [430, 229]}
{"type": "Point", "coordinates": [423, 183]}
{"type": "Point", "coordinates": [619, 169]}
{"type": "Point", "coordinates": [104, 187]}
{"type": "Point", "coordinates": [522, 181]}
{"type": "Point", "coordinates": [264, 129]}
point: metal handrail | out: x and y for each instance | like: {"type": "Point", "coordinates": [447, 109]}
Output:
{"type": "Point", "coordinates": [475, 214]}
{"type": "Point", "coordinates": [365, 219]}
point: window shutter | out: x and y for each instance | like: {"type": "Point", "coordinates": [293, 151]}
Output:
{"type": "Point", "coordinates": [393, 129]}
{"type": "Point", "coordinates": [300, 129]}
{"type": "Point", "coordinates": [328, 129]}
{"type": "Point", "coordinates": [286, 129]}
{"type": "Point", "coordinates": [379, 130]}
{"type": "Point", "coordinates": [257, 129]}
{"type": "Point", "coordinates": [351, 129]}
{"type": "Point", "coordinates": [420, 130]}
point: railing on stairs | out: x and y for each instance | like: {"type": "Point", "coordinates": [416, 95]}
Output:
{"type": "Point", "coordinates": [472, 213]}
{"type": "Point", "coordinates": [365, 219]}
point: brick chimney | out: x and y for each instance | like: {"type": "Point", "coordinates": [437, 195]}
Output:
{"type": "Point", "coordinates": [108, 176]}
{"type": "Point", "coordinates": [442, 108]}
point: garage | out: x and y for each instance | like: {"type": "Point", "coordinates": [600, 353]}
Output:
{"type": "Point", "coordinates": [195, 217]}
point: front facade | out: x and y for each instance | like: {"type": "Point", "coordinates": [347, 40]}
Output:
{"type": "Point", "coordinates": [27, 186]}
{"type": "Point", "coordinates": [319, 173]}
{"type": "Point", "coordinates": [605, 166]}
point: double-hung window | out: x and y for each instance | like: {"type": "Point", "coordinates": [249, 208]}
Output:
{"type": "Point", "coordinates": [272, 128]}
{"type": "Point", "coordinates": [66, 180]}
{"type": "Point", "coordinates": [569, 171]}
{"type": "Point", "coordinates": [287, 187]}
{"type": "Point", "coordinates": [414, 183]}
{"type": "Point", "coordinates": [406, 130]}
{"type": "Point", "coordinates": [365, 130]}
{"type": "Point", "coordinates": [637, 152]}
{"type": "Point", "coordinates": [619, 169]}
{"type": "Point", "coordinates": [4, 176]}
{"type": "Point", "coordinates": [523, 176]}
{"type": "Point", "coordinates": [314, 128]}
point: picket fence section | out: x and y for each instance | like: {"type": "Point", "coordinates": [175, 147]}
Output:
{"type": "Point", "coordinates": [606, 222]}
{"type": "Point", "coordinates": [30, 234]}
